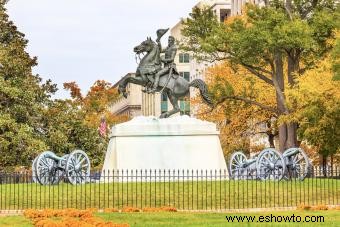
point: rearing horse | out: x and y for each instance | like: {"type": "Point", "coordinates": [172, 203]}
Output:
{"type": "Point", "coordinates": [175, 87]}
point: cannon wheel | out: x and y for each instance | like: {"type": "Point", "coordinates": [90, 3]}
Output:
{"type": "Point", "coordinates": [78, 167]}
{"type": "Point", "coordinates": [47, 169]}
{"type": "Point", "coordinates": [236, 166]}
{"type": "Point", "coordinates": [298, 165]}
{"type": "Point", "coordinates": [34, 172]}
{"type": "Point", "coordinates": [270, 165]}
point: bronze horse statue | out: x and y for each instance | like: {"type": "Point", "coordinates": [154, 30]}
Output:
{"type": "Point", "coordinates": [172, 84]}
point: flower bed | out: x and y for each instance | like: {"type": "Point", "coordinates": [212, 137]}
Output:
{"type": "Point", "coordinates": [68, 218]}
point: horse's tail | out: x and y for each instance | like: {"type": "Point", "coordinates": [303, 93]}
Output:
{"type": "Point", "coordinates": [198, 83]}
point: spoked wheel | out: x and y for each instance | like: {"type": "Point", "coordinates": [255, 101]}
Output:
{"type": "Point", "coordinates": [298, 164]}
{"type": "Point", "coordinates": [78, 167]}
{"type": "Point", "coordinates": [34, 172]}
{"type": "Point", "coordinates": [47, 169]}
{"type": "Point", "coordinates": [237, 166]}
{"type": "Point", "coordinates": [270, 165]}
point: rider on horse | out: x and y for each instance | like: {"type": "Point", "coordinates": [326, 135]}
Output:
{"type": "Point", "coordinates": [168, 60]}
{"type": "Point", "coordinates": [164, 79]}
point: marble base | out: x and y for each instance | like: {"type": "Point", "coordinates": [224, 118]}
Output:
{"type": "Point", "coordinates": [176, 143]}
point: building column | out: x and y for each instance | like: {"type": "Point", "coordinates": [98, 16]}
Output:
{"type": "Point", "coordinates": [233, 7]}
{"type": "Point", "coordinates": [239, 10]}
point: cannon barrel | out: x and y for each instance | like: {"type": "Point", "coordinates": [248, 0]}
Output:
{"type": "Point", "coordinates": [290, 152]}
{"type": "Point", "coordinates": [248, 162]}
{"type": "Point", "coordinates": [53, 156]}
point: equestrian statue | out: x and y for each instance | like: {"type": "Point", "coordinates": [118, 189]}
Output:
{"type": "Point", "coordinates": [158, 73]}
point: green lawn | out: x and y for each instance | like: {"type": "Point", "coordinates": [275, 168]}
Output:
{"type": "Point", "coordinates": [186, 195]}
{"type": "Point", "coordinates": [15, 221]}
{"type": "Point", "coordinates": [331, 218]}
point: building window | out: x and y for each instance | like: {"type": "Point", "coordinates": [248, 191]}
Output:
{"type": "Point", "coordinates": [164, 103]}
{"type": "Point", "coordinates": [184, 58]}
{"type": "Point", "coordinates": [184, 107]}
{"type": "Point", "coordinates": [224, 14]}
{"type": "Point", "coordinates": [186, 75]}
{"type": "Point", "coordinates": [164, 97]}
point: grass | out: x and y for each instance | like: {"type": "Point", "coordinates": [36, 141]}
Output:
{"type": "Point", "coordinates": [185, 195]}
{"type": "Point", "coordinates": [15, 221]}
{"type": "Point", "coordinates": [332, 218]}
{"type": "Point", "coordinates": [162, 219]}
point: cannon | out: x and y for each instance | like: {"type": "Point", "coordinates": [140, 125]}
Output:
{"type": "Point", "coordinates": [297, 162]}
{"type": "Point", "coordinates": [240, 167]}
{"type": "Point", "coordinates": [269, 164]}
{"type": "Point", "coordinates": [48, 168]}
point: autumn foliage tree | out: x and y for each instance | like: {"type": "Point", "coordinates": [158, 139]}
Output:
{"type": "Point", "coordinates": [315, 102]}
{"type": "Point", "coordinates": [96, 102]}
{"type": "Point", "coordinates": [275, 44]}
{"type": "Point", "coordinates": [86, 113]}
{"type": "Point", "coordinates": [239, 119]}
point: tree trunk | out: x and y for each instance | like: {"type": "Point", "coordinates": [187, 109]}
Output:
{"type": "Point", "coordinates": [293, 69]}
{"type": "Point", "coordinates": [270, 133]}
{"type": "Point", "coordinates": [271, 140]}
{"type": "Point", "coordinates": [271, 137]}
{"type": "Point", "coordinates": [331, 173]}
{"type": "Point", "coordinates": [291, 135]}
{"type": "Point", "coordinates": [324, 165]}
{"type": "Point", "coordinates": [279, 87]}
{"type": "Point", "coordinates": [282, 137]}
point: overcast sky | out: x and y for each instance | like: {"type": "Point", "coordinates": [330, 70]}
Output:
{"type": "Point", "coordinates": [87, 40]}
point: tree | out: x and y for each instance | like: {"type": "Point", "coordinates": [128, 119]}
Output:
{"type": "Point", "coordinates": [96, 102]}
{"type": "Point", "coordinates": [30, 122]}
{"type": "Point", "coordinates": [66, 131]}
{"type": "Point", "coordinates": [23, 98]}
{"type": "Point", "coordinates": [264, 41]}
{"type": "Point", "coordinates": [315, 104]}
{"type": "Point", "coordinates": [336, 60]}
{"type": "Point", "coordinates": [80, 118]}
{"type": "Point", "coordinates": [237, 119]}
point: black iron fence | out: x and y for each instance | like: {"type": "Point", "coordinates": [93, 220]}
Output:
{"type": "Point", "coordinates": [182, 189]}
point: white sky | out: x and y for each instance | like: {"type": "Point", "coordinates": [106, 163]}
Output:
{"type": "Point", "coordinates": [87, 40]}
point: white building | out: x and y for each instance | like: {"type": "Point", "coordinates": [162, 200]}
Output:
{"type": "Point", "coordinates": [238, 4]}
{"type": "Point", "coordinates": [130, 106]}
{"type": "Point", "coordinates": [187, 66]}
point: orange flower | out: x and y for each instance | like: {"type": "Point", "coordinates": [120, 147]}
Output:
{"type": "Point", "coordinates": [110, 210]}
{"type": "Point", "coordinates": [130, 209]}
{"type": "Point", "coordinates": [71, 218]}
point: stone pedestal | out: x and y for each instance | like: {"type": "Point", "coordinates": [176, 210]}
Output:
{"type": "Point", "coordinates": [176, 143]}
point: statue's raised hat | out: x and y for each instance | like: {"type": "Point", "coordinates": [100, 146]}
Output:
{"type": "Point", "coordinates": [161, 32]}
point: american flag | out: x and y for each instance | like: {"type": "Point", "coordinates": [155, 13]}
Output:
{"type": "Point", "coordinates": [103, 128]}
